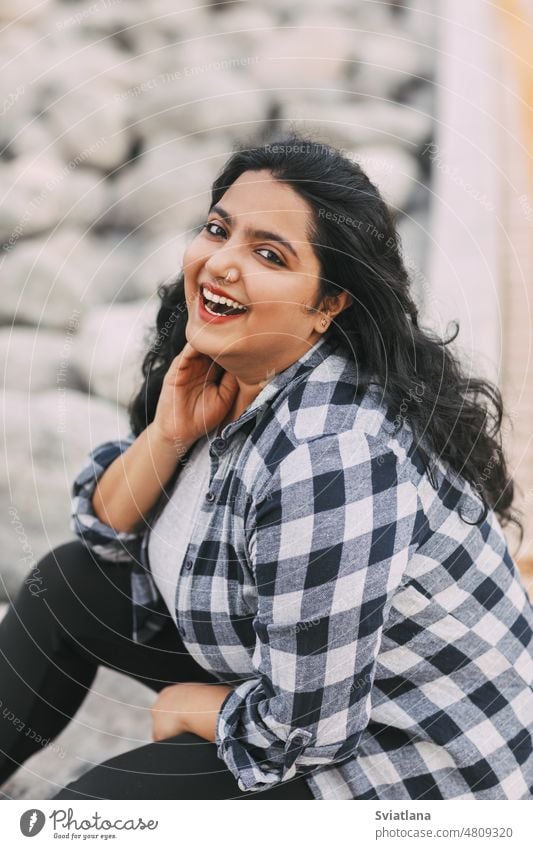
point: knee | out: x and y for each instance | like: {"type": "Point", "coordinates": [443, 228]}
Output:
{"type": "Point", "coordinates": [57, 570]}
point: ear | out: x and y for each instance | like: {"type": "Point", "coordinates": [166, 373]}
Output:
{"type": "Point", "coordinates": [347, 300]}
{"type": "Point", "coordinates": [340, 302]}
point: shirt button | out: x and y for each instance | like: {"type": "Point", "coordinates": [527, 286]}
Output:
{"type": "Point", "coordinates": [181, 630]}
{"type": "Point", "coordinates": [220, 443]}
{"type": "Point", "coordinates": [188, 564]}
{"type": "Point", "coordinates": [210, 496]}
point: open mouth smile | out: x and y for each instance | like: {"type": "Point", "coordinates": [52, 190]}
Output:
{"type": "Point", "coordinates": [218, 306]}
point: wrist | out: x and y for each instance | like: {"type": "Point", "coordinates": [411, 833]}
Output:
{"type": "Point", "coordinates": [201, 706]}
{"type": "Point", "coordinates": [176, 446]}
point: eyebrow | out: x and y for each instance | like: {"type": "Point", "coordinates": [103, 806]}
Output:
{"type": "Point", "coordinates": [250, 231]}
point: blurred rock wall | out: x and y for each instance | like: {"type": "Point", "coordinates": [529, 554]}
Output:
{"type": "Point", "coordinates": [116, 117]}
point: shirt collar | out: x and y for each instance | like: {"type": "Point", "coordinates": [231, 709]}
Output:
{"type": "Point", "coordinates": [302, 366]}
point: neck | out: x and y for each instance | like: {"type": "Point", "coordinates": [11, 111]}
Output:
{"type": "Point", "coordinates": [248, 391]}
{"type": "Point", "coordinates": [246, 394]}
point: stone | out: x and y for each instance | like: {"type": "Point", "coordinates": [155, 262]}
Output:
{"type": "Point", "coordinates": [229, 22]}
{"type": "Point", "coordinates": [90, 123]}
{"type": "Point", "coordinates": [45, 191]}
{"type": "Point", "coordinates": [47, 437]}
{"type": "Point", "coordinates": [49, 280]}
{"type": "Point", "coordinates": [383, 61]}
{"type": "Point", "coordinates": [171, 182]}
{"type": "Point", "coordinates": [36, 359]}
{"type": "Point", "coordinates": [13, 10]}
{"type": "Point", "coordinates": [160, 262]}
{"type": "Point", "coordinates": [16, 91]}
{"type": "Point", "coordinates": [421, 24]}
{"type": "Point", "coordinates": [216, 100]}
{"type": "Point", "coordinates": [350, 124]}
{"type": "Point", "coordinates": [391, 169]}
{"type": "Point", "coordinates": [110, 345]}
{"type": "Point", "coordinates": [311, 54]}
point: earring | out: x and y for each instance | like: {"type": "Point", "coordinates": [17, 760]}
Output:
{"type": "Point", "coordinates": [324, 322]}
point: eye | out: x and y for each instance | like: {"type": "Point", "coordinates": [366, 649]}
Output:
{"type": "Point", "coordinates": [209, 224]}
{"type": "Point", "coordinates": [276, 259]}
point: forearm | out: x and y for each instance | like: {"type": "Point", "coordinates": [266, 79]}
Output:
{"type": "Point", "coordinates": [201, 707]}
{"type": "Point", "coordinates": [131, 485]}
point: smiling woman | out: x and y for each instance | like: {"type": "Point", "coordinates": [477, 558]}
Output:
{"type": "Point", "coordinates": [310, 505]}
{"type": "Point", "coordinates": [268, 264]}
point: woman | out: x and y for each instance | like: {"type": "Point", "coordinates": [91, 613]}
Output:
{"type": "Point", "coordinates": [306, 514]}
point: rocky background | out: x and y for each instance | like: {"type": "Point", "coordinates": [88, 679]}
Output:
{"type": "Point", "coordinates": [115, 119]}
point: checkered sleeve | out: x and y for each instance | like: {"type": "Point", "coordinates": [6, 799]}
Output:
{"type": "Point", "coordinates": [105, 541]}
{"type": "Point", "coordinates": [329, 543]}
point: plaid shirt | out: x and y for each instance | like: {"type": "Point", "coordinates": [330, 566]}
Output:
{"type": "Point", "coordinates": [376, 642]}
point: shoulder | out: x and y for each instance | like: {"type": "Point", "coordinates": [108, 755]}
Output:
{"type": "Point", "coordinates": [334, 398]}
{"type": "Point", "coordinates": [326, 423]}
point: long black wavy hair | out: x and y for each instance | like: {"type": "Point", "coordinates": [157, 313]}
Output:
{"type": "Point", "coordinates": [354, 238]}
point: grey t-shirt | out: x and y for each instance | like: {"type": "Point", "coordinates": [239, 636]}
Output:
{"type": "Point", "coordinates": [174, 526]}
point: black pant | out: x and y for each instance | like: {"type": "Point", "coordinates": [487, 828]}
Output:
{"type": "Point", "coordinates": [72, 613]}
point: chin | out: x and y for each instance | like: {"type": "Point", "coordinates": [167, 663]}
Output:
{"type": "Point", "coordinates": [199, 342]}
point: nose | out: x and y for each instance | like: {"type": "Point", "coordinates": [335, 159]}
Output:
{"type": "Point", "coordinates": [223, 259]}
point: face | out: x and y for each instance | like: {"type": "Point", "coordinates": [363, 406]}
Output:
{"type": "Point", "coordinates": [274, 273]}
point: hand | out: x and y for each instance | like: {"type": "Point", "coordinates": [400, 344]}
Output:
{"type": "Point", "coordinates": [191, 402]}
{"type": "Point", "coordinates": [189, 707]}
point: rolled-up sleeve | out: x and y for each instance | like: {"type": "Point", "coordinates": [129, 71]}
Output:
{"type": "Point", "coordinates": [328, 543]}
{"type": "Point", "coordinates": [105, 541]}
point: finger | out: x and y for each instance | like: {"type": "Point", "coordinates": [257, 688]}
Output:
{"type": "Point", "coordinates": [213, 371]}
{"type": "Point", "coordinates": [216, 372]}
{"type": "Point", "coordinates": [228, 386]}
{"type": "Point", "coordinates": [188, 351]}
{"type": "Point", "coordinates": [187, 357]}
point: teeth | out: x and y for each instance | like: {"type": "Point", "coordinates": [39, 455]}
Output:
{"type": "Point", "coordinates": [210, 296]}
